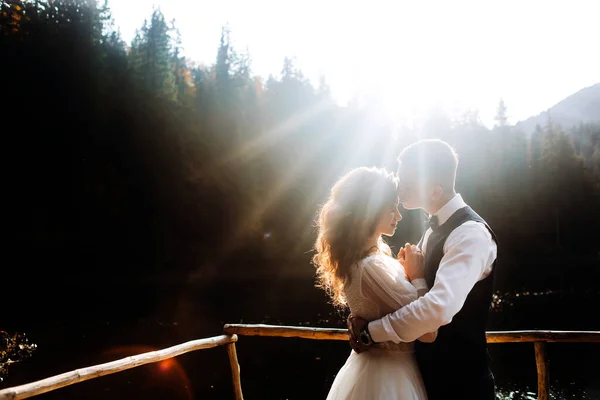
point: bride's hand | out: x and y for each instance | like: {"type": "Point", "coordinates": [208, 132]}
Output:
{"type": "Point", "coordinates": [402, 256]}
{"type": "Point", "coordinates": [414, 261]}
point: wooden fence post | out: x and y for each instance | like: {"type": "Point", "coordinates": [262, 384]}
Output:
{"type": "Point", "coordinates": [235, 370]}
{"type": "Point", "coordinates": [542, 371]}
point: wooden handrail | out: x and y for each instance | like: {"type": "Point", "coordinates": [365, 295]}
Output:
{"type": "Point", "coordinates": [544, 337]}
{"type": "Point", "coordinates": [286, 331]}
{"type": "Point", "coordinates": [538, 338]}
{"type": "Point", "coordinates": [342, 334]}
{"type": "Point", "coordinates": [95, 371]}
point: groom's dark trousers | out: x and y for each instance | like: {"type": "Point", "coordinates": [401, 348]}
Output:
{"type": "Point", "coordinates": [456, 365]}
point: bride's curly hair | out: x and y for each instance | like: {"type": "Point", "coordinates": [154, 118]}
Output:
{"type": "Point", "coordinates": [345, 223]}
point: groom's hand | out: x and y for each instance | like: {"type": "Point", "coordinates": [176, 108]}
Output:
{"type": "Point", "coordinates": [355, 325]}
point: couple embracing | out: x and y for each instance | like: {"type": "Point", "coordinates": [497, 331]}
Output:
{"type": "Point", "coordinates": [417, 321]}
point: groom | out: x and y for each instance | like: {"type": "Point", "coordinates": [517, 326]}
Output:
{"type": "Point", "coordinates": [460, 256]}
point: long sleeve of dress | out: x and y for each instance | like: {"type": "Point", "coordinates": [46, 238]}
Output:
{"type": "Point", "coordinates": [384, 282]}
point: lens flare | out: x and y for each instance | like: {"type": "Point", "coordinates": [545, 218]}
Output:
{"type": "Point", "coordinates": [165, 378]}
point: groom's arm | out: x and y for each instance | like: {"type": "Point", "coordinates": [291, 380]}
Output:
{"type": "Point", "coordinates": [469, 253]}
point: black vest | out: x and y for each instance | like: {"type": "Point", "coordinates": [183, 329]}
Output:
{"type": "Point", "coordinates": [459, 354]}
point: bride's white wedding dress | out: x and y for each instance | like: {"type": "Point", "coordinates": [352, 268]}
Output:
{"type": "Point", "coordinates": [378, 286]}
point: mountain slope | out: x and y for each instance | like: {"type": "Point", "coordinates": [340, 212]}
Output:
{"type": "Point", "coordinates": [582, 106]}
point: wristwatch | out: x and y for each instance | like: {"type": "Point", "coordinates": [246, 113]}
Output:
{"type": "Point", "coordinates": [365, 336]}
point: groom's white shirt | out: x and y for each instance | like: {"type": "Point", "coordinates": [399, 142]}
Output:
{"type": "Point", "coordinates": [469, 253]}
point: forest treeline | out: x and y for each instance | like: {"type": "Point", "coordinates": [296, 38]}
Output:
{"type": "Point", "coordinates": [127, 158]}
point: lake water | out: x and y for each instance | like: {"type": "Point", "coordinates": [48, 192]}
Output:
{"type": "Point", "coordinates": [77, 325]}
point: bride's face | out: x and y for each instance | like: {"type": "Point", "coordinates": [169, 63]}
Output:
{"type": "Point", "coordinates": [388, 221]}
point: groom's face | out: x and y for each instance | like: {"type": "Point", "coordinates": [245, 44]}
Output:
{"type": "Point", "coordinates": [411, 191]}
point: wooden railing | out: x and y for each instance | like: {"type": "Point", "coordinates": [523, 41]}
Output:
{"type": "Point", "coordinates": [96, 371]}
{"type": "Point", "coordinates": [538, 338]}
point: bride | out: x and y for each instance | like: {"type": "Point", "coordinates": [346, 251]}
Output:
{"type": "Point", "coordinates": [356, 268]}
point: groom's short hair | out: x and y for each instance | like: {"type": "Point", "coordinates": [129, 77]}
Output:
{"type": "Point", "coordinates": [434, 161]}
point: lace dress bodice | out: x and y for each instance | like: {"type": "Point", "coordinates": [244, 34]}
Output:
{"type": "Point", "coordinates": [378, 286]}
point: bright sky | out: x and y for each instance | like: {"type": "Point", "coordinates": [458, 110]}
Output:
{"type": "Point", "coordinates": [412, 54]}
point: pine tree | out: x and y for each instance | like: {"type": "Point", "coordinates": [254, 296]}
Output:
{"type": "Point", "coordinates": [182, 73]}
{"type": "Point", "coordinates": [151, 57]}
{"type": "Point", "coordinates": [501, 118]}
{"type": "Point", "coordinates": [596, 164]}
{"type": "Point", "coordinates": [223, 64]}
{"type": "Point", "coordinates": [561, 169]}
